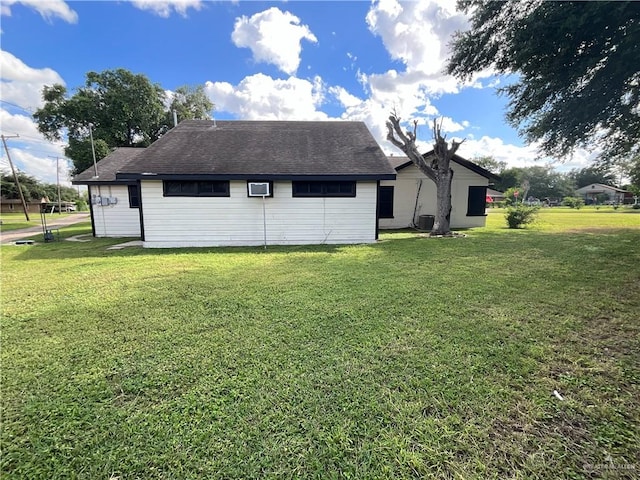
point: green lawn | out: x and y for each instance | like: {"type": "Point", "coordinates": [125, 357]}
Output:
{"type": "Point", "coordinates": [16, 221]}
{"type": "Point", "coordinates": [411, 358]}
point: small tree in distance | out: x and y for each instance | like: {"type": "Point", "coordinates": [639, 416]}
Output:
{"type": "Point", "coordinates": [439, 170]}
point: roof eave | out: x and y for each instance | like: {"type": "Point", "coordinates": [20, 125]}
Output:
{"type": "Point", "coordinates": [123, 177]}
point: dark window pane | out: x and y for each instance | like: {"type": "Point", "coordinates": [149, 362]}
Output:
{"type": "Point", "coordinates": [172, 188]}
{"type": "Point", "coordinates": [333, 187]}
{"type": "Point", "coordinates": [385, 202]}
{"type": "Point", "coordinates": [188, 188]}
{"type": "Point", "coordinates": [218, 188]}
{"type": "Point", "coordinates": [134, 198]}
{"type": "Point", "coordinates": [206, 187]}
{"type": "Point", "coordinates": [324, 189]}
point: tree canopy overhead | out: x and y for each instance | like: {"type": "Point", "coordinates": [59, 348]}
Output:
{"type": "Point", "coordinates": [123, 108]}
{"type": "Point", "coordinates": [578, 75]}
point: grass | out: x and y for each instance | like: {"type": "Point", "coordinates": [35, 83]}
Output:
{"type": "Point", "coordinates": [16, 221]}
{"type": "Point", "coordinates": [410, 358]}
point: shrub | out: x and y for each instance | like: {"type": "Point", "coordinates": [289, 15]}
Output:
{"type": "Point", "coordinates": [636, 206]}
{"type": "Point", "coordinates": [520, 215]}
{"type": "Point", "coordinates": [573, 202]}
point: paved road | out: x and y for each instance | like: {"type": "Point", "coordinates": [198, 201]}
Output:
{"type": "Point", "coordinates": [13, 235]}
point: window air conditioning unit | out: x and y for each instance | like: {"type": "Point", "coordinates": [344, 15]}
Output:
{"type": "Point", "coordinates": [259, 189]}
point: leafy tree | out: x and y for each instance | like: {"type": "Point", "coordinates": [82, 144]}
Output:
{"type": "Point", "coordinates": [543, 181]}
{"type": "Point", "coordinates": [189, 103]}
{"type": "Point", "coordinates": [438, 170]}
{"type": "Point", "coordinates": [123, 109]}
{"type": "Point", "coordinates": [576, 65]}
{"type": "Point", "coordinates": [79, 150]}
{"type": "Point", "coordinates": [510, 196]}
{"type": "Point", "coordinates": [634, 174]}
{"type": "Point", "coordinates": [509, 178]}
{"type": "Point", "coordinates": [67, 194]}
{"type": "Point", "coordinates": [594, 174]}
{"type": "Point", "coordinates": [32, 189]}
{"type": "Point", "coordinates": [489, 163]}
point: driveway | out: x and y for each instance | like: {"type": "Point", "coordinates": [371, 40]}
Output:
{"type": "Point", "coordinates": [13, 235]}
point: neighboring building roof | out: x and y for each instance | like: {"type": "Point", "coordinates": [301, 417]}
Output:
{"type": "Point", "coordinates": [262, 149]}
{"type": "Point", "coordinates": [402, 162]}
{"type": "Point", "coordinates": [108, 167]}
{"type": "Point", "coordinates": [599, 188]}
{"type": "Point", "coordinates": [17, 201]}
{"type": "Point", "coordinates": [494, 193]}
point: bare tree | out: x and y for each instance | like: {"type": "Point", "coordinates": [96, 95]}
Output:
{"type": "Point", "coordinates": [438, 169]}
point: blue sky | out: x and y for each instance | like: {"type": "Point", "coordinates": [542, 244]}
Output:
{"type": "Point", "coordinates": [298, 60]}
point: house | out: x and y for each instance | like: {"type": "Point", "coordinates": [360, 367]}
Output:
{"type": "Point", "coordinates": [208, 183]}
{"type": "Point", "coordinates": [14, 205]}
{"type": "Point", "coordinates": [113, 203]}
{"type": "Point", "coordinates": [412, 194]}
{"type": "Point", "coordinates": [600, 193]}
{"type": "Point", "coordinates": [495, 196]}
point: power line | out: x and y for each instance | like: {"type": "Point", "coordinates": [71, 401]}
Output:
{"type": "Point", "coordinates": [30, 110]}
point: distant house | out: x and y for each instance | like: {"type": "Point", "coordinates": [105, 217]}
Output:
{"type": "Point", "coordinates": [14, 205]}
{"type": "Point", "coordinates": [207, 183]}
{"type": "Point", "coordinates": [591, 193]}
{"type": "Point", "coordinates": [494, 195]}
{"type": "Point", "coordinates": [412, 195]}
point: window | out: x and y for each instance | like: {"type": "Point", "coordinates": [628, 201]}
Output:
{"type": "Point", "coordinates": [385, 202]}
{"type": "Point", "coordinates": [324, 189]}
{"type": "Point", "coordinates": [193, 188]}
{"type": "Point", "coordinates": [477, 202]}
{"type": "Point", "coordinates": [134, 196]}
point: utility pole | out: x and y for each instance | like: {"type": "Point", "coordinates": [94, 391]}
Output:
{"type": "Point", "coordinates": [15, 176]}
{"type": "Point", "coordinates": [93, 151]}
{"type": "Point", "coordinates": [58, 181]}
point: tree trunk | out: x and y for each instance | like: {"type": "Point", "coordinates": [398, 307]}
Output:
{"type": "Point", "coordinates": [438, 170]}
{"type": "Point", "coordinates": [442, 224]}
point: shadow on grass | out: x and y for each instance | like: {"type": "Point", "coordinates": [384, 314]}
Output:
{"type": "Point", "coordinates": [407, 243]}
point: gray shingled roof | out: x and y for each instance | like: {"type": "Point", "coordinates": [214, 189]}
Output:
{"type": "Point", "coordinates": [275, 149]}
{"type": "Point", "coordinates": [108, 166]}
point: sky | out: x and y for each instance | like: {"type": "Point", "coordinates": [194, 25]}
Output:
{"type": "Point", "coordinates": [289, 60]}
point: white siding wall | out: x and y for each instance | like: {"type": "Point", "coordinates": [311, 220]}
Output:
{"type": "Point", "coordinates": [238, 219]}
{"type": "Point", "coordinates": [117, 220]}
{"type": "Point", "coordinates": [406, 190]}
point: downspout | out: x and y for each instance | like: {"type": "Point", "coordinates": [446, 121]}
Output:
{"type": "Point", "coordinates": [377, 209]}
{"type": "Point", "coordinates": [93, 226]}
{"type": "Point", "coordinates": [139, 186]}
{"type": "Point", "coordinates": [415, 207]}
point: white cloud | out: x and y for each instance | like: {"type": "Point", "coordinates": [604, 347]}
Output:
{"type": "Point", "coordinates": [22, 84]}
{"type": "Point", "coordinates": [345, 98]}
{"type": "Point", "coordinates": [260, 97]}
{"type": "Point", "coordinates": [164, 8]}
{"type": "Point", "coordinates": [48, 9]}
{"type": "Point", "coordinates": [522, 156]}
{"type": "Point", "coordinates": [274, 37]}
{"type": "Point", "coordinates": [40, 166]}
{"type": "Point", "coordinates": [31, 152]}
{"type": "Point", "coordinates": [417, 33]}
